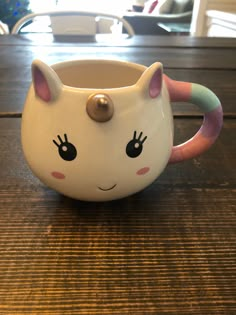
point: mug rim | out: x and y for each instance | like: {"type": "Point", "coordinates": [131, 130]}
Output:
{"type": "Point", "coordinates": [69, 63]}
{"type": "Point", "coordinates": [129, 71]}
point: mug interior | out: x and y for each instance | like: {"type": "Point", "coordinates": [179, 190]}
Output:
{"type": "Point", "coordinates": [98, 74]}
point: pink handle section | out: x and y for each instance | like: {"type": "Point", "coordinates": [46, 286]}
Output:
{"type": "Point", "coordinates": [207, 101]}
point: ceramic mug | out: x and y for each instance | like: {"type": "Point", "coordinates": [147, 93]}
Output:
{"type": "Point", "coordinates": [100, 130]}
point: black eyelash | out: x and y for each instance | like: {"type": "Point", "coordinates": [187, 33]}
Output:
{"type": "Point", "coordinates": [139, 137]}
{"type": "Point", "coordinates": [135, 146]}
{"type": "Point", "coordinates": [61, 141]}
{"type": "Point", "coordinates": [66, 149]}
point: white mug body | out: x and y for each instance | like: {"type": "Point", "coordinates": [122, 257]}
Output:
{"type": "Point", "coordinates": [76, 151]}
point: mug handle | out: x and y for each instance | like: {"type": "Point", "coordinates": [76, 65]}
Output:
{"type": "Point", "coordinates": [209, 104]}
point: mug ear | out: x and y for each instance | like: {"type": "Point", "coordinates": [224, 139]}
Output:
{"type": "Point", "coordinates": [47, 85]}
{"type": "Point", "coordinates": [151, 80]}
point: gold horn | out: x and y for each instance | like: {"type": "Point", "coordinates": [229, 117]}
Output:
{"type": "Point", "coordinates": [100, 107]}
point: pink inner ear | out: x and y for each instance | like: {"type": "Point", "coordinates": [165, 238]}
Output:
{"type": "Point", "coordinates": [41, 86]}
{"type": "Point", "coordinates": [155, 84]}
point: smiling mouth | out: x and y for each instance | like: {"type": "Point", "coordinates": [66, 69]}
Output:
{"type": "Point", "coordinates": [107, 189]}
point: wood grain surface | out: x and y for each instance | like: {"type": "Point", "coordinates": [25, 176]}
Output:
{"type": "Point", "coordinates": [104, 40]}
{"type": "Point", "coordinates": [167, 250]}
{"type": "Point", "coordinates": [190, 58]}
{"type": "Point", "coordinates": [170, 249]}
{"type": "Point", "coordinates": [180, 63]}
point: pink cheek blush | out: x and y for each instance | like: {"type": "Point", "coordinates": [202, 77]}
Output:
{"type": "Point", "coordinates": [58, 175]}
{"type": "Point", "coordinates": [143, 171]}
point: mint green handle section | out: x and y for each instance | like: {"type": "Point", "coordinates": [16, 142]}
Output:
{"type": "Point", "coordinates": [209, 104]}
{"type": "Point", "coordinates": [204, 98]}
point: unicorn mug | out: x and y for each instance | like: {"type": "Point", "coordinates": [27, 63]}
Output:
{"type": "Point", "coordinates": [100, 130]}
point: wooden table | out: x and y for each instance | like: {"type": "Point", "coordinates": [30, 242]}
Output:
{"type": "Point", "coordinates": [170, 249]}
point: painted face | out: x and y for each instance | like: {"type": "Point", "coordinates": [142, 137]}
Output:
{"type": "Point", "coordinates": [97, 130]}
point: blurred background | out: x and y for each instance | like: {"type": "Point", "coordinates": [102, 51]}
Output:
{"type": "Point", "coordinates": [147, 17]}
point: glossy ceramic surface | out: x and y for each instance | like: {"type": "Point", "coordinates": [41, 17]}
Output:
{"type": "Point", "coordinates": [100, 130]}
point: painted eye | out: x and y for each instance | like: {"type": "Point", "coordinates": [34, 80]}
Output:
{"type": "Point", "coordinates": [66, 150]}
{"type": "Point", "coordinates": [135, 146]}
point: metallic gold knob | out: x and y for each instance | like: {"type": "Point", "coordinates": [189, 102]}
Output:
{"type": "Point", "coordinates": [100, 107]}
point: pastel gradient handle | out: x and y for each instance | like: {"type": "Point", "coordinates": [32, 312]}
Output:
{"type": "Point", "coordinates": [209, 104]}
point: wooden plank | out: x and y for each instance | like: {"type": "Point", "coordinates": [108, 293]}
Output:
{"type": "Point", "coordinates": [13, 90]}
{"type": "Point", "coordinates": [167, 250]}
{"type": "Point", "coordinates": [136, 41]}
{"type": "Point", "coordinates": [192, 58]}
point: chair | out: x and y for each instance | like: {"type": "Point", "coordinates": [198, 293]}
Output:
{"type": "Point", "coordinates": [148, 24]}
{"type": "Point", "coordinates": [74, 22]}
